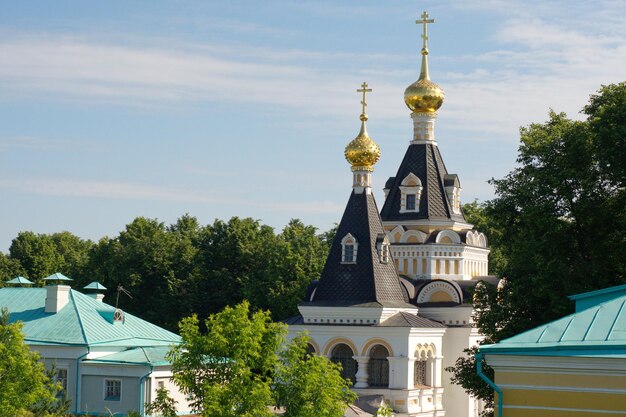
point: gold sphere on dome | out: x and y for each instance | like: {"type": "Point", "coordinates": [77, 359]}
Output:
{"type": "Point", "coordinates": [362, 153]}
{"type": "Point", "coordinates": [424, 96]}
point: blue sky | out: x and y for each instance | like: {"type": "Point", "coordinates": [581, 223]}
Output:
{"type": "Point", "coordinates": [117, 109]}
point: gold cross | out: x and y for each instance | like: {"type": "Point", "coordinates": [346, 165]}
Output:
{"type": "Point", "coordinates": [425, 21]}
{"type": "Point", "coordinates": [364, 90]}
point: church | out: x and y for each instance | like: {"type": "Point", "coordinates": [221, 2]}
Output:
{"type": "Point", "coordinates": [393, 304]}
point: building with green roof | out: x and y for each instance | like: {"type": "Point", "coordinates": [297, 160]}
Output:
{"type": "Point", "coordinates": [573, 366]}
{"type": "Point", "coordinates": [106, 359]}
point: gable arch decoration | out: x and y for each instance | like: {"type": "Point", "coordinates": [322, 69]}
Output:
{"type": "Point", "coordinates": [439, 291]}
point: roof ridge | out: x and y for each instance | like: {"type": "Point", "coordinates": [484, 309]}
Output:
{"type": "Point", "coordinates": [80, 319]}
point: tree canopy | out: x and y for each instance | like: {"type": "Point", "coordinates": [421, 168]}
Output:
{"type": "Point", "coordinates": [310, 385]}
{"type": "Point", "coordinates": [26, 389]}
{"type": "Point", "coordinates": [209, 267]}
{"type": "Point", "coordinates": [559, 222]}
{"type": "Point", "coordinates": [233, 369]}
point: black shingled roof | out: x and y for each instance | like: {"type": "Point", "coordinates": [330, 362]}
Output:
{"type": "Point", "coordinates": [423, 160]}
{"type": "Point", "coordinates": [368, 280]}
{"type": "Point", "coordinates": [404, 319]}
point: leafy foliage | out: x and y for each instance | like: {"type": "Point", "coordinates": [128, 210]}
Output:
{"type": "Point", "coordinates": [26, 389]}
{"type": "Point", "coordinates": [162, 405]}
{"type": "Point", "coordinates": [559, 221]}
{"type": "Point", "coordinates": [228, 370]}
{"type": "Point", "coordinates": [209, 266]}
{"type": "Point", "coordinates": [308, 385]}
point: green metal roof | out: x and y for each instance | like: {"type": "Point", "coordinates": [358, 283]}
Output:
{"type": "Point", "coordinates": [599, 330]}
{"type": "Point", "coordinates": [95, 286]}
{"type": "Point", "coordinates": [82, 322]}
{"type": "Point", "coordinates": [149, 356]}
{"type": "Point", "coordinates": [19, 280]}
{"type": "Point", "coordinates": [57, 276]}
{"type": "Point", "coordinates": [591, 298]}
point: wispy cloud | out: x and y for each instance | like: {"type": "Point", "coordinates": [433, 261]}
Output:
{"type": "Point", "coordinates": [136, 191]}
{"type": "Point", "coordinates": [30, 143]}
{"type": "Point", "coordinates": [540, 59]}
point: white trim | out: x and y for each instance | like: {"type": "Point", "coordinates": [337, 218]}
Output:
{"type": "Point", "coordinates": [354, 244]}
{"type": "Point", "coordinates": [407, 190]}
{"type": "Point", "coordinates": [104, 389]}
{"type": "Point", "coordinates": [442, 223]}
{"type": "Point", "coordinates": [587, 365]}
{"type": "Point", "coordinates": [570, 410]}
{"type": "Point", "coordinates": [562, 389]}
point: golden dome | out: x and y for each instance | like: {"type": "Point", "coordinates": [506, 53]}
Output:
{"type": "Point", "coordinates": [424, 96]}
{"type": "Point", "coordinates": [362, 153]}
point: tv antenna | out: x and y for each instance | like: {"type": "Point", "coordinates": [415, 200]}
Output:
{"type": "Point", "coordinates": [121, 289]}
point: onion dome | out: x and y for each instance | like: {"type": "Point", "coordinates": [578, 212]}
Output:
{"type": "Point", "coordinates": [424, 96]}
{"type": "Point", "coordinates": [362, 153]}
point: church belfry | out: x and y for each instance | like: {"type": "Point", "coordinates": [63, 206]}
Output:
{"type": "Point", "coordinates": [429, 236]}
{"type": "Point", "coordinates": [393, 302]}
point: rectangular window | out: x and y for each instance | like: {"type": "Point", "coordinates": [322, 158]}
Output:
{"type": "Point", "coordinates": [61, 378]}
{"type": "Point", "coordinates": [348, 253]}
{"type": "Point", "coordinates": [410, 201]}
{"type": "Point", "coordinates": [112, 390]}
{"type": "Point", "coordinates": [419, 373]}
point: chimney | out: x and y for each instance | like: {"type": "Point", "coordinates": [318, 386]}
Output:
{"type": "Point", "coordinates": [57, 294]}
{"type": "Point", "coordinates": [97, 297]}
{"type": "Point", "coordinates": [94, 290]}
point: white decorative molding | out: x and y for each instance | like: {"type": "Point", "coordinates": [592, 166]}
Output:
{"type": "Point", "coordinates": [425, 293]}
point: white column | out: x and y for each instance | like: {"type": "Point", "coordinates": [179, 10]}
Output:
{"type": "Point", "coordinates": [361, 373]}
{"type": "Point", "coordinates": [436, 377]}
{"type": "Point", "coordinates": [423, 127]}
{"type": "Point", "coordinates": [399, 372]}
{"type": "Point", "coordinates": [411, 372]}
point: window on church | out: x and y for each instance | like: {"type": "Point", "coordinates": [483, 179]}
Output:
{"type": "Point", "coordinates": [411, 192]}
{"type": "Point", "coordinates": [349, 249]}
{"type": "Point", "coordinates": [419, 373]}
{"type": "Point", "coordinates": [378, 367]}
{"type": "Point", "coordinates": [382, 247]}
{"type": "Point", "coordinates": [348, 255]}
{"type": "Point", "coordinates": [410, 202]}
{"type": "Point", "coordinates": [343, 355]}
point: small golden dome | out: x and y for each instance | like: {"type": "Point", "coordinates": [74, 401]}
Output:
{"type": "Point", "coordinates": [362, 153]}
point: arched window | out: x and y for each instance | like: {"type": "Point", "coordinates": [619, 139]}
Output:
{"type": "Point", "coordinates": [423, 366]}
{"type": "Point", "coordinates": [378, 367]}
{"type": "Point", "coordinates": [349, 249]}
{"type": "Point", "coordinates": [310, 349]}
{"type": "Point", "coordinates": [343, 354]}
{"type": "Point", "coordinates": [411, 191]}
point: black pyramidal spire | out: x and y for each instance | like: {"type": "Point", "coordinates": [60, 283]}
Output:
{"type": "Point", "coordinates": [423, 160]}
{"type": "Point", "coordinates": [369, 279]}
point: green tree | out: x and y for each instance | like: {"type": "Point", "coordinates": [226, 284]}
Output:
{"type": "Point", "coordinates": [563, 217]}
{"type": "Point", "coordinates": [228, 370]}
{"type": "Point", "coordinates": [477, 214]}
{"type": "Point", "coordinates": [154, 263]}
{"type": "Point", "coordinates": [297, 258]}
{"type": "Point", "coordinates": [37, 254]}
{"type": "Point", "coordinates": [308, 385]}
{"type": "Point", "coordinates": [163, 405]}
{"type": "Point", "coordinates": [9, 268]}
{"type": "Point", "coordinates": [25, 387]}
